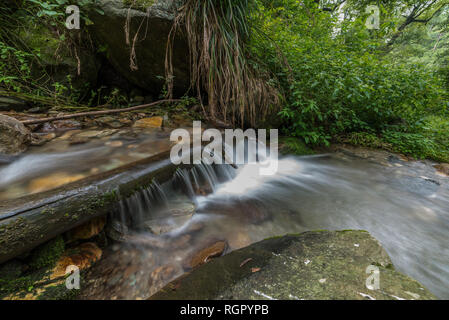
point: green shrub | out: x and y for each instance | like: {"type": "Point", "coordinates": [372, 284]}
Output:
{"type": "Point", "coordinates": [291, 145]}
{"type": "Point", "coordinates": [342, 85]}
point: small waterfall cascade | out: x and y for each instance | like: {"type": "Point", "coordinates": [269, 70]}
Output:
{"type": "Point", "coordinates": [238, 205]}
{"type": "Point", "coordinates": [200, 180]}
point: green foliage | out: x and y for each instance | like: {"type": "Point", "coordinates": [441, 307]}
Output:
{"type": "Point", "coordinates": [339, 82]}
{"type": "Point", "coordinates": [14, 67]}
{"type": "Point", "coordinates": [33, 36]}
{"type": "Point", "coordinates": [414, 144]}
{"type": "Point", "coordinates": [217, 33]}
{"type": "Point", "coordinates": [291, 145]}
{"type": "Point", "coordinates": [364, 139]}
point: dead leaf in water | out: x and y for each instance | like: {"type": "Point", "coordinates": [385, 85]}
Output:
{"type": "Point", "coordinates": [255, 270]}
{"type": "Point", "coordinates": [245, 262]}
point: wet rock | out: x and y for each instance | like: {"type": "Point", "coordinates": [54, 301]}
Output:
{"type": "Point", "coordinates": [66, 124]}
{"type": "Point", "coordinates": [87, 230]}
{"type": "Point", "coordinates": [239, 239]}
{"type": "Point", "coordinates": [89, 134]}
{"type": "Point", "coordinates": [47, 127]}
{"type": "Point", "coordinates": [78, 140]}
{"type": "Point", "coordinates": [83, 256]}
{"type": "Point", "coordinates": [215, 249]}
{"type": "Point", "coordinates": [108, 121]}
{"type": "Point", "coordinates": [126, 122]}
{"type": "Point", "coordinates": [114, 144]}
{"type": "Point", "coordinates": [36, 110]}
{"type": "Point", "coordinates": [116, 230]}
{"type": "Point", "coordinates": [161, 226]}
{"type": "Point", "coordinates": [176, 216]}
{"type": "Point", "coordinates": [251, 211]}
{"type": "Point", "coordinates": [443, 168]}
{"type": "Point", "coordinates": [68, 134]}
{"type": "Point", "coordinates": [151, 42]}
{"type": "Point", "coordinates": [12, 103]}
{"type": "Point", "coordinates": [14, 136]}
{"type": "Point", "coordinates": [53, 181]}
{"type": "Point", "coordinates": [311, 265]}
{"type": "Point", "coordinates": [153, 122]}
{"type": "Point", "coordinates": [7, 159]}
{"type": "Point", "coordinates": [107, 133]}
{"type": "Point", "coordinates": [162, 274]}
{"type": "Point", "coordinates": [39, 139]}
{"type": "Point", "coordinates": [181, 242]}
{"type": "Point", "coordinates": [47, 254]}
{"type": "Point", "coordinates": [202, 190]}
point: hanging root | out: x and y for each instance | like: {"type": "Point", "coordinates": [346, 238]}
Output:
{"type": "Point", "coordinates": [217, 32]}
{"type": "Point", "coordinates": [127, 28]}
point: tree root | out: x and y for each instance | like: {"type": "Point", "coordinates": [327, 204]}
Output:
{"type": "Point", "coordinates": [97, 113]}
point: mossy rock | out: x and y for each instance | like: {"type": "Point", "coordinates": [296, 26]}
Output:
{"type": "Point", "coordinates": [155, 21]}
{"type": "Point", "coordinates": [141, 4]}
{"type": "Point", "coordinates": [58, 62]}
{"type": "Point", "coordinates": [311, 265]}
{"type": "Point", "coordinates": [47, 254]}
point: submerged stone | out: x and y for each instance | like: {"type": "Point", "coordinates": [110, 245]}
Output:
{"type": "Point", "coordinates": [153, 122]}
{"type": "Point", "coordinates": [176, 216]}
{"type": "Point", "coordinates": [214, 249]}
{"type": "Point", "coordinates": [443, 169]}
{"type": "Point", "coordinates": [83, 256]}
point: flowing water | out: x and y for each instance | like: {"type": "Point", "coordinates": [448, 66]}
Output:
{"type": "Point", "coordinates": [405, 205]}
{"type": "Point", "coordinates": [63, 160]}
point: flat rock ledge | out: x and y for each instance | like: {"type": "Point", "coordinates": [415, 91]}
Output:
{"type": "Point", "coordinates": [316, 265]}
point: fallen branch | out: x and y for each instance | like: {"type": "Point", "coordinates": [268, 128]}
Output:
{"type": "Point", "coordinates": [97, 113]}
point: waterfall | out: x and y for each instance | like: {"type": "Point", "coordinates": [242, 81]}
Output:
{"type": "Point", "coordinates": [201, 179]}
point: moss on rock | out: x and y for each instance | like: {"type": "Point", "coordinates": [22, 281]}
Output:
{"type": "Point", "coordinates": [311, 265]}
{"type": "Point", "coordinates": [143, 4]}
{"type": "Point", "coordinates": [47, 254]}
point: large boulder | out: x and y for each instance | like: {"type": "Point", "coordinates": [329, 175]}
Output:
{"type": "Point", "coordinates": [77, 70]}
{"type": "Point", "coordinates": [311, 265]}
{"type": "Point", "coordinates": [12, 103]}
{"type": "Point", "coordinates": [155, 19]}
{"type": "Point", "coordinates": [14, 136]}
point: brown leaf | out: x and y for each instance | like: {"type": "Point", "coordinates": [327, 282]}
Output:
{"type": "Point", "coordinates": [245, 262]}
{"type": "Point", "coordinates": [255, 270]}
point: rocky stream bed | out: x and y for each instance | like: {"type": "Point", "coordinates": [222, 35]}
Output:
{"type": "Point", "coordinates": [191, 233]}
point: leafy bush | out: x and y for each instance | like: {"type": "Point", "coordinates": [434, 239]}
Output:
{"type": "Point", "coordinates": [291, 145]}
{"type": "Point", "coordinates": [338, 82]}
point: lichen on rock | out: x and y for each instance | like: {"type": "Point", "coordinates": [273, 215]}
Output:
{"type": "Point", "coordinates": [312, 265]}
{"type": "Point", "coordinates": [14, 136]}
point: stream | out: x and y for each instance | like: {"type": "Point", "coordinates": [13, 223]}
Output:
{"type": "Point", "coordinates": [403, 204]}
